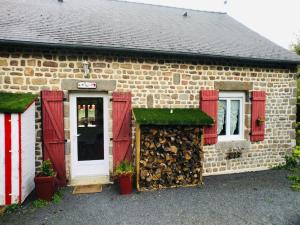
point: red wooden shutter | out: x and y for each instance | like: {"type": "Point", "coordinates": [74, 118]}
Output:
{"type": "Point", "coordinates": [209, 105]}
{"type": "Point", "coordinates": [53, 132]}
{"type": "Point", "coordinates": [258, 111]}
{"type": "Point", "coordinates": [121, 114]}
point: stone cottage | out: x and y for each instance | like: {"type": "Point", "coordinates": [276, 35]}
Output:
{"type": "Point", "coordinates": [91, 61]}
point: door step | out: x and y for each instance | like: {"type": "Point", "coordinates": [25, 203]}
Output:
{"type": "Point", "coordinates": [87, 189]}
{"type": "Point", "coordinates": [89, 180]}
{"type": "Point", "coordinates": [2, 210]}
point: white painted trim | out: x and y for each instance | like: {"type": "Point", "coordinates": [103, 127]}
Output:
{"type": "Point", "coordinates": [28, 150]}
{"type": "Point", "coordinates": [95, 167]}
{"type": "Point", "coordinates": [237, 171]}
{"type": "Point", "coordinates": [240, 96]}
{"type": "Point", "coordinates": [14, 158]}
{"type": "Point", "coordinates": [2, 165]}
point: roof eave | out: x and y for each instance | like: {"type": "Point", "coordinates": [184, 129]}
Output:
{"type": "Point", "coordinates": [146, 51]}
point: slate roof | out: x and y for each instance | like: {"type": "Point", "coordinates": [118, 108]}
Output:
{"type": "Point", "coordinates": [117, 25]}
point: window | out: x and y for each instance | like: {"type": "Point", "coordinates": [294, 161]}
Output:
{"type": "Point", "coordinates": [231, 116]}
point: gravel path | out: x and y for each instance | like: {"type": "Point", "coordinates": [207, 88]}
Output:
{"type": "Point", "coordinates": [250, 198]}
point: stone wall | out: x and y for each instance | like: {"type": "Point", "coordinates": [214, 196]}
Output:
{"type": "Point", "coordinates": [165, 82]}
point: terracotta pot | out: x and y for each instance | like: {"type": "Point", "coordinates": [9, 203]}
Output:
{"type": "Point", "coordinates": [45, 187]}
{"type": "Point", "coordinates": [125, 184]}
{"type": "Point", "coordinates": [260, 122]}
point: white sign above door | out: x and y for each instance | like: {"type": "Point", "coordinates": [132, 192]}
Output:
{"type": "Point", "coordinates": [86, 85]}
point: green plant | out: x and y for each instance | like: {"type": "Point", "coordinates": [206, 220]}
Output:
{"type": "Point", "coordinates": [290, 162]}
{"type": "Point", "coordinates": [293, 165]}
{"type": "Point", "coordinates": [124, 167]}
{"type": "Point", "coordinates": [47, 169]}
{"type": "Point", "coordinates": [58, 195]}
{"type": "Point", "coordinates": [13, 207]}
{"type": "Point", "coordinates": [56, 198]}
{"type": "Point", "coordinates": [295, 186]}
{"type": "Point", "coordinates": [296, 153]}
{"type": "Point", "coordinates": [296, 45]}
{"type": "Point", "coordinates": [39, 203]}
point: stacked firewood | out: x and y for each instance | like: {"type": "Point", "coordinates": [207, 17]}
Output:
{"type": "Point", "coordinates": [170, 156]}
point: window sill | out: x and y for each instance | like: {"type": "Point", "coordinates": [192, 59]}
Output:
{"type": "Point", "coordinates": [233, 145]}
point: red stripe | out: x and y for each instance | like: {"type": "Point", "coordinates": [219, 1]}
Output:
{"type": "Point", "coordinates": [20, 159]}
{"type": "Point", "coordinates": [7, 134]}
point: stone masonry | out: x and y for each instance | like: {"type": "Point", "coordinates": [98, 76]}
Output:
{"type": "Point", "coordinates": [164, 82]}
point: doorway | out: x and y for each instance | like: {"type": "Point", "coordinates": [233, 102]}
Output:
{"type": "Point", "coordinates": [89, 135]}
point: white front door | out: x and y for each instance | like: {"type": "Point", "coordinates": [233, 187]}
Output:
{"type": "Point", "coordinates": [89, 135]}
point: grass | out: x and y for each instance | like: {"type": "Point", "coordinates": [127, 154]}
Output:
{"type": "Point", "coordinates": [15, 102]}
{"type": "Point", "coordinates": [39, 203]}
{"type": "Point", "coordinates": [12, 208]}
{"type": "Point", "coordinates": [294, 177]}
{"type": "Point", "coordinates": [58, 196]}
{"type": "Point", "coordinates": [157, 116]}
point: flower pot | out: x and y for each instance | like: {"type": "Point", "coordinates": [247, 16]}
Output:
{"type": "Point", "coordinates": [260, 122]}
{"type": "Point", "coordinates": [125, 184]}
{"type": "Point", "coordinates": [45, 187]}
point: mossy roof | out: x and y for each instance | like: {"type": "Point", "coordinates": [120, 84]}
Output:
{"type": "Point", "coordinates": [15, 102]}
{"type": "Point", "coordinates": [153, 116]}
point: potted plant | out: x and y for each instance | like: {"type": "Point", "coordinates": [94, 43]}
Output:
{"type": "Point", "coordinates": [260, 121]}
{"type": "Point", "coordinates": [45, 181]}
{"type": "Point", "coordinates": [124, 172]}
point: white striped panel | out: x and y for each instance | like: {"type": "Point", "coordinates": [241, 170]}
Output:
{"type": "Point", "coordinates": [14, 158]}
{"type": "Point", "coordinates": [28, 150]}
{"type": "Point", "coordinates": [2, 166]}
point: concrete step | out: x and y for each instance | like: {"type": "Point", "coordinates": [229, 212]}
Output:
{"type": "Point", "coordinates": [87, 180]}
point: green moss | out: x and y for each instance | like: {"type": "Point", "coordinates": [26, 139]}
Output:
{"type": "Point", "coordinates": [165, 117]}
{"type": "Point", "coordinates": [15, 102]}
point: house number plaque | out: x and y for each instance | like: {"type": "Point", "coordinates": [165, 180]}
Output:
{"type": "Point", "coordinates": [87, 85]}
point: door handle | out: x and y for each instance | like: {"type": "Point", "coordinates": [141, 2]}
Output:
{"type": "Point", "coordinates": [77, 135]}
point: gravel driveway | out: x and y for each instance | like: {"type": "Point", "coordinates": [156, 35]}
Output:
{"type": "Point", "coordinates": [250, 198]}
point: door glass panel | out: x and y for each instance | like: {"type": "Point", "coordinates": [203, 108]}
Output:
{"type": "Point", "coordinates": [90, 129]}
{"type": "Point", "coordinates": [234, 117]}
{"type": "Point", "coordinates": [92, 115]}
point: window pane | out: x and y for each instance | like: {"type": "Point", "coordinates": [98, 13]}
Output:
{"type": "Point", "coordinates": [90, 142]}
{"type": "Point", "coordinates": [81, 115]}
{"type": "Point", "coordinates": [222, 117]}
{"type": "Point", "coordinates": [91, 115]}
{"type": "Point", "coordinates": [234, 117]}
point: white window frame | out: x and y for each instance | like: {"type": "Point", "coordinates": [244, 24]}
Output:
{"type": "Point", "coordinates": [233, 96]}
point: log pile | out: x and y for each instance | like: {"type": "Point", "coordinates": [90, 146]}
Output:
{"type": "Point", "coordinates": [170, 156]}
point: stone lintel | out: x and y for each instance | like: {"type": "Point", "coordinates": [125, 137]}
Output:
{"type": "Point", "coordinates": [102, 85]}
{"type": "Point", "coordinates": [233, 85]}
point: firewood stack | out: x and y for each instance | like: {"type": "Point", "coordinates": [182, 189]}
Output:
{"type": "Point", "coordinates": [170, 156]}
